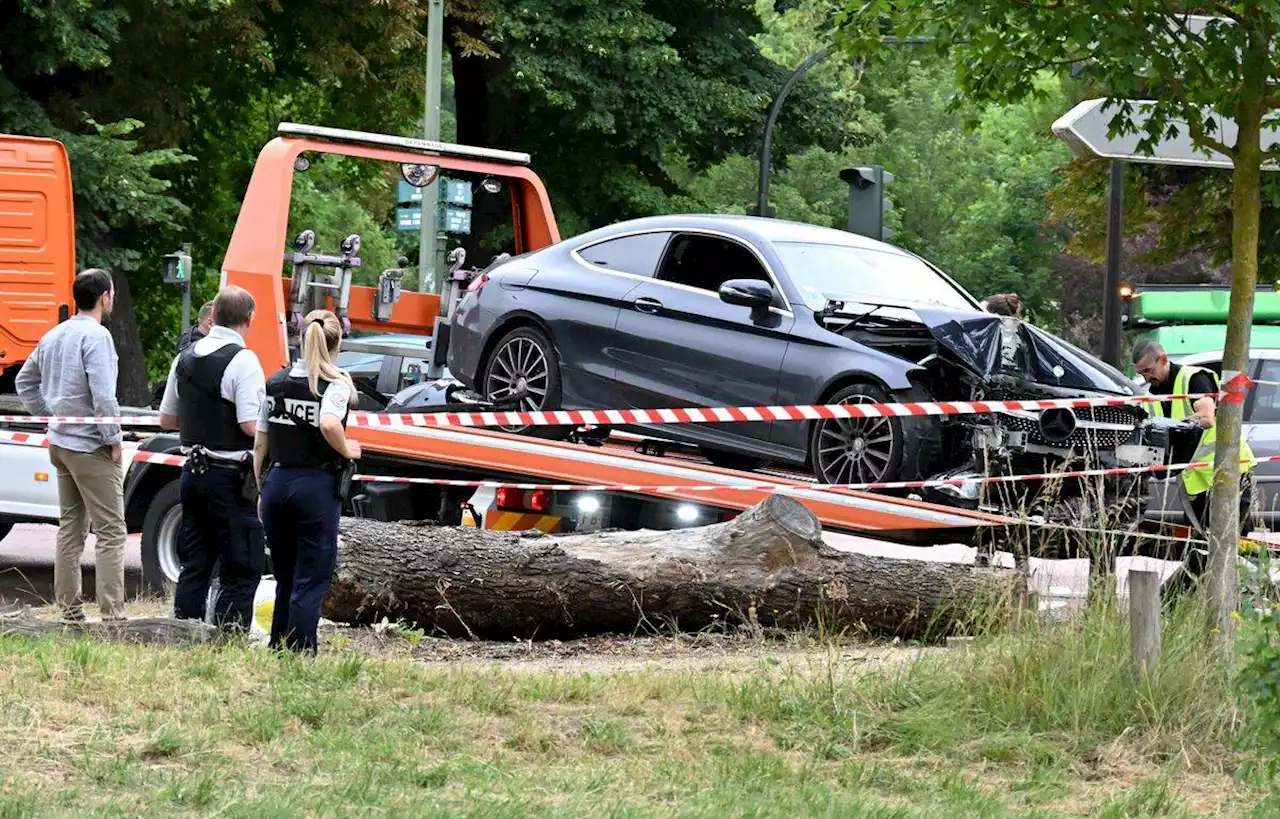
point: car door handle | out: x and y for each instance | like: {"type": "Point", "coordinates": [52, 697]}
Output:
{"type": "Point", "coordinates": [647, 305]}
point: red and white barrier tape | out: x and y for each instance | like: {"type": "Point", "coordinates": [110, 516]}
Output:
{"type": "Point", "coordinates": [704, 415]}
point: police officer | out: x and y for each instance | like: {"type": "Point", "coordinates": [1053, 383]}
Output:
{"type": "Point", "coordinates": [302, 444]}
{"type": "Point", "coordinates": [213, 398]}
{"type": "Point", "coordinates": [1166, 378]}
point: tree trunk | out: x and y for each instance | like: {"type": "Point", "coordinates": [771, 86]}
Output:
{"type": "Point", "coordinates": [1224, 500]}
{"type": "Point", "coordinates": [766, 568]}
{"type": "Point", "coordinates": [132, 389]}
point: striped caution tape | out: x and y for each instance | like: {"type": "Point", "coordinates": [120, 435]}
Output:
{"type": "Point", "coordinates": [140, 456]}
{"type": "Point", "coordinates": [683, 415]}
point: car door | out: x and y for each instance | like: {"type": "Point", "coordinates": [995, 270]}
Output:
{"type": "Point", "coordinates": [679, 345]}
{"type": "Point", "coordinates": [589, 294]}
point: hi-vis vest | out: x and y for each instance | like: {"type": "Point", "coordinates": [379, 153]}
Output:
{"type": "Point", "coordinates": [1197, 480]}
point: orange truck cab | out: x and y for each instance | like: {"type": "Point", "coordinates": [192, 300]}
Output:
{"type": "Point", "coordinates": [37, 246]}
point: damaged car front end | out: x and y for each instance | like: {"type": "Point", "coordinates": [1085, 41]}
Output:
{"type": "Point", "coordinates": [974, 357]}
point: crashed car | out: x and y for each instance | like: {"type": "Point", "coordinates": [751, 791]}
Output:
{"type": "Point", "coordinates": [714, 311]}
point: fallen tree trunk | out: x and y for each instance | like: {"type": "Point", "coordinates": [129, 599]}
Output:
{"type": "Point", "coordinates": [767, 567]}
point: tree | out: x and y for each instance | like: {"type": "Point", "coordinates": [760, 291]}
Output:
{"type": "Point", "coordinates": [1141, 50]}
{"type": "Point", "coordinates": [606, 95]}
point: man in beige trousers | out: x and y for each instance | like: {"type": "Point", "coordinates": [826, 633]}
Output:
{"type": "Point", "coordinates": [73, 373]}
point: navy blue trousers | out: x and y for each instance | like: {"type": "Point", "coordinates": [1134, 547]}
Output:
{"type": "Point", "coordinates": [219, 527]}
{"type": "Point", "coordinates": [300, 515]}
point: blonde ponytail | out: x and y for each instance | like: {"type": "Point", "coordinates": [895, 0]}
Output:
{"type": "Point", "coordinates": [320, 342]}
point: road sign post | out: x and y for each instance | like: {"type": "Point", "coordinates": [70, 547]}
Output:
{"type": "Point", "coordinates": [1087, 131]}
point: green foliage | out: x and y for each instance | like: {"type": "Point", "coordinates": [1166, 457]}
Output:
{"type": "Point", "coordinates": [1258, 684]}
{"type": "Point", "coordinates": [338, 197]}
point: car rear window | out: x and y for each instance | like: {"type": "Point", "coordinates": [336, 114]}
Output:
{"type": "Point", "coordinates": [637, 255]}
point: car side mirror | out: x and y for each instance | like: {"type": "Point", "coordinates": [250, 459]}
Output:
{"type": "Point", "coordinates": [747, 293]}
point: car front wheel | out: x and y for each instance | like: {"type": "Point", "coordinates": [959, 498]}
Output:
{"type": "Point", "coordinates": [858, 450]}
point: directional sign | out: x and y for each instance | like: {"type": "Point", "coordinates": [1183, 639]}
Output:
{"type": "Point", "coordinates": [1085, 129]}
{"type": "Point", "coordinates": [448, 220]}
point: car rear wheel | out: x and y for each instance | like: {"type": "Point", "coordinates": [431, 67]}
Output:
{"type": "Point", "coordinates": [858, 450]}
{"type": "Point", "coordinates": [524, 370]}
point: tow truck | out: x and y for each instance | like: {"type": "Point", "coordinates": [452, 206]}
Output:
{"type": "Point", "coordinates": [37, 248]}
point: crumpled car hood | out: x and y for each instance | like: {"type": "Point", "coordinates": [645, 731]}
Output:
{"type": "Point", "coordinates": [975, 341]}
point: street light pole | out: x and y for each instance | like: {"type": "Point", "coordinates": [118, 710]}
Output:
{"type": "Point", "coordinates": [766, 144]}
{"type": "Point", "coordinates": [431, 130]}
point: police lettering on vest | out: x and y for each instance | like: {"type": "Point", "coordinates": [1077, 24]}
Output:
{"type": "Point", "coordinates": [1197, 480]}
{"type": "Point", "coordinates": [293, 412]}
{"type": "Point", "coordinates": [208, 419]}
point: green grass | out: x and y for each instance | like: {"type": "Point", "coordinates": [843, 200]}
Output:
{"type": "Point", "coordinates": [1042, 723]}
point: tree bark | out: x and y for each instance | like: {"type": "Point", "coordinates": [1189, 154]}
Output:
{"type": "Point", "coordinates": [1224, 499]}
{"type": "Point", "coordinates": [131, 385]}
{"type": "Point", "coordinates": [766, 568]}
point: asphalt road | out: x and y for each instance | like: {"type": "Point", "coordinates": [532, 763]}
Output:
{"type": "Point", "coordinates": [26, 566]}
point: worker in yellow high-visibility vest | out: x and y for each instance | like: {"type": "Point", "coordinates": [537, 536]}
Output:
{"type": "Point", "coordinates": [1166, 378]}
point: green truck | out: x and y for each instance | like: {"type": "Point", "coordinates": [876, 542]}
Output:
{"type": "Point", "coordinates": [1192, 318]}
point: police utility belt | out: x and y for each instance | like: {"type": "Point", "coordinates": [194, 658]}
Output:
{"type": "Point", "coordinates": [200, 461]}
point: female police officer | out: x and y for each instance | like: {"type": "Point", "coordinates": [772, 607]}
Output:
{"type": "Point", "coordinates": [301, 438]}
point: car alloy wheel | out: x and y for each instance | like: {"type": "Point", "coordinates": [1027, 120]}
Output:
{"type": "Point", "coordinates": [523, 373]}
{"type": "Point", "coordinates": [519, 368]}
{"type": "Point", "coordinates": [856, 450]}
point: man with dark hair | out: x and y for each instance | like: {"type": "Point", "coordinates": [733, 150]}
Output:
{"type": "Point", "coordinates": [215, 389]}
{"type": "Point", "coordinates": [1166, 378]}
{"type": "Point", "coordinates": [73, 372]}
{"type": "Point", "coordinates": [197, 331]}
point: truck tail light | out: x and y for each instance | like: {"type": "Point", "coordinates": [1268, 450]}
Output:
{"type": "Point", "coordinates": [509, 498]}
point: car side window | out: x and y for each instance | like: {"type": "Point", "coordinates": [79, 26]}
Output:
{"type": "Point", "coordinates": [706, 262]}
{"type": "Point", "coordinates": [1266, 399]}
{"type": "Point", "coordinates": [637, 255]}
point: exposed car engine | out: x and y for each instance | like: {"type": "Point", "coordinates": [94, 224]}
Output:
{"type": "Point", "coordinates": [993, 358]}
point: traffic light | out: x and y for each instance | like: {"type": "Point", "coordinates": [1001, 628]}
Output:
{"type": "Point", "coordinates": [867, 203]}
{"type": "Point", "coordinates": [177, 268]}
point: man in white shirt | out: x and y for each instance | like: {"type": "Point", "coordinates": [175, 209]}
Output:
{"type": "Point", "coordinates": [213, 397]}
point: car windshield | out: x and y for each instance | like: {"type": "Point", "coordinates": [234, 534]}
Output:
{"type": "Point", "coordinates": [822, 271]}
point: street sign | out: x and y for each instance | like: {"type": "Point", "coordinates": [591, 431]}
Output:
{"type": "Point", "coordinates": [406, 194]}
{"type": "Point", "coordinates": [448, 220]}
{"type": "Point", "coordinates": [455, 192]}
{"type": "Point", "coordinates": [1085, 129]}
{"type": "Point", "coordinates": [454, 220]}
{"type": "Point", "coordinates": [408, 218]}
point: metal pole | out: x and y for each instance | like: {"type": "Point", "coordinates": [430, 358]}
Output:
{"type": "Point", "coordinates": [1111, 281]}
{"type": "Point", "coordinates": [186, 290]}
{"type": "Point", "coordinates": [766, 144]}
{"type": "Point", "coordinates": [427, 268]}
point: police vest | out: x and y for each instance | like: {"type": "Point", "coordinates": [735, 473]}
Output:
{"type": "Point", "coordinates": [205, 418]}
{"type": "Point", "coordinates": [293, 416]}
{"type": "Point", "coordinates": [1198, 479]}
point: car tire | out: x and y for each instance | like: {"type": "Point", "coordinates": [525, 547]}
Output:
{"type": "Point", "coordinates": [525, 357]}
{"type": "Point", "coordinates": [161, 529]}
{"type": "Point", "coordinates": [732, 460]}
{"type": "Point", "coordinates": [892, 449]}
